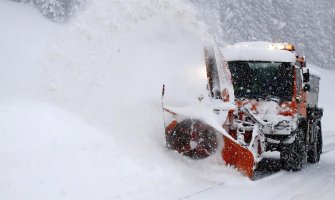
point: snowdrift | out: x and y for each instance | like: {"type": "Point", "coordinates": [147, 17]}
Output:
{"type": "Point", "coordinates": [86, 98]}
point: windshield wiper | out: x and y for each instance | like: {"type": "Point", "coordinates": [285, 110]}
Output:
{"type": "Point", "coordinates": [273, 98]}
{"type": "Point", "coordinates": [258, 97]}
{"type": "Point", "coordinates": [252, 96]}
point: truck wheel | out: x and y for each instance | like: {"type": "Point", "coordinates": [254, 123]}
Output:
{"type": "Point", "coordinates": [294, 155]}
{"type": "Point", "coordinates": [320, 144]}
{"type": "Point", "coordinates": [194, 139]}
{"type": "Point", "coordinates": [316, 147]}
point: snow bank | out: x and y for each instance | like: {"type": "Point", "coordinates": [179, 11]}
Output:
{"type": "Point", "coordinates": [86, 98]}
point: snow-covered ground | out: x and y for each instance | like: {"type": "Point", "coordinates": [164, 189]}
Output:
{"type": "Point", "coordinates": [81, 115]}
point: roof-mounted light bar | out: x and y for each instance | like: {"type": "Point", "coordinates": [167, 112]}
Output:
{"type": "Point", "coordinates": [282, 46]}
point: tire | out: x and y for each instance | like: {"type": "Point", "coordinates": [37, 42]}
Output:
{"type": "Point", "coordinates": [315, 151]}
{"type": "Point", "coordinates": [320, 144]}
{"type": "Point", "coordinates": [294, 156]}
{"type": "Point", "coordinates": [194, 139]}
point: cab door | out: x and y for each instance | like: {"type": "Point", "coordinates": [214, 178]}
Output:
{"type": "Point", "coordinates": [300, 96]}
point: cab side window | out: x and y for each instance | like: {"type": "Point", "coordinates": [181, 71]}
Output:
{"type": "Point", "coordinates": [298, 76]}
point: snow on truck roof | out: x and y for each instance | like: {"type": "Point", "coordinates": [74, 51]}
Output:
{"type": "Point", "coordinates": [258, 51]}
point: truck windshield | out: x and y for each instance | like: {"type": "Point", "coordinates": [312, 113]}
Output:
{"type": "Point", "coordinates": [254, 80]}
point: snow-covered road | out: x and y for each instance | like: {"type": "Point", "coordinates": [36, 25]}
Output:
{"type": "Point", "coordinates": [80, 110]}
{"type": "Point", "coordinates": [313, 182]}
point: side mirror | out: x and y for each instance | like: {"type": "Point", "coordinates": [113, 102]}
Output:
{"type": "Point", "coordinates": [307, 88]}
{"type": "Point", "coordinates": [305, 75]}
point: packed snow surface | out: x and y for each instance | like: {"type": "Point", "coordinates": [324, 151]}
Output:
{"type": "Point", "coordinates": [81, 114]}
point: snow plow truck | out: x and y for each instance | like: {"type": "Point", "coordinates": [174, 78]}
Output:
{"type": "Point", "coordinates": [261, 97]}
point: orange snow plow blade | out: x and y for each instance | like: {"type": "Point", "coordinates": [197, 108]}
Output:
{"type": "Point", "coordinates": [238, 156]}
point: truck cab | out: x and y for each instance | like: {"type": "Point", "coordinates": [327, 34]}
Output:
{"type": "Point", "coordinates": [274, 90]}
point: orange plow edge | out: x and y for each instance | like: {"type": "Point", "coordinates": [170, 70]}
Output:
{"type": "Point", "coordinates": [238, 156]}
